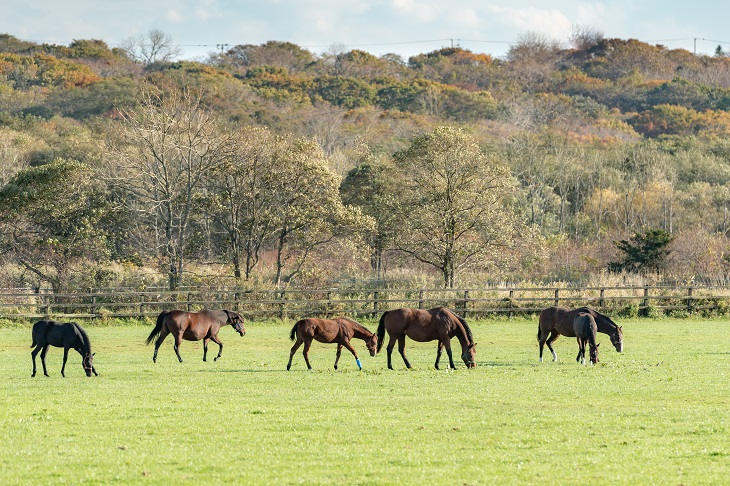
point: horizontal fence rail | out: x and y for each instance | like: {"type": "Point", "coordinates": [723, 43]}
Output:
{"type": "Point", "coordinates": [294, 304]}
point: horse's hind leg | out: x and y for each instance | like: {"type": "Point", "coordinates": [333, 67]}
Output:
{"type": "Point", "coordinates": [34, 353]}
{"type": "Point", "coordinates": [44, 351]}
{"type": "Point", "coordinates": [163, 334]}
{"type": "Point", "coordinates": [65, 357]}
{"type": "Point", "coordinates": [337, 357]}
{"type": "Point", "coordinates": [391, 345]}
{"type": "Point", "coordinates": [402, 350]}
{"type": "Point", "coordinates": [307, 345]}
{"type": "Point", "coordinates": [205, 349]}
{"type": "Point", "coordinates": [178, 342]}
{"type": "Point", "coordinates": [439, 350]}
{"type": "Point", "coordinates": [294, 350]}
{"type": "Point", "coordinates": [553, 336]}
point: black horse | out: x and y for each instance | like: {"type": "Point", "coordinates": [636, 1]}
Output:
{"type": "Point", "coordinates": [67, 336]}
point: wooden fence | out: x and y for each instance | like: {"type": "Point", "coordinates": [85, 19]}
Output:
{"type": "Point", "coordinates": [293, 304]}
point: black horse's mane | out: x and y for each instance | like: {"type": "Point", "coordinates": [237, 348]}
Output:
{"type": "Point", "coordinates": [85, 337]}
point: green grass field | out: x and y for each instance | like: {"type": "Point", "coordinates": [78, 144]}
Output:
{"type": "Point", "coordinates": [659, 413]}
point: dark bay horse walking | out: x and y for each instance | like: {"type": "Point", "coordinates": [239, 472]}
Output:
{"type": "Point", "coordinates": [437, 324]}
{"type": "Point", "coordinates": [339, 331]}
{"type": "Point", "coordinates": [194, 326]}
{"type": "Point", "coordinates": [67, 336]}
{"type": "Point", "coordinates": [584, 326]}
{"type": "Point", "coordinates": [556, 321]}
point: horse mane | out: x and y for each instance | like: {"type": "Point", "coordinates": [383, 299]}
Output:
{"type": "Point", "coordinates": [469, 335]}
{"type": "Point", "coordinates": [84, 337]}
{"type": "Point", "coordinates": [597, 314]}
{"type": "Point", "coordinates": [355, 323]}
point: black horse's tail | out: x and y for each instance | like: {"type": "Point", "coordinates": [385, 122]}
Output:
{"type": "Point", "coordinates": [293, 333]}
{"type": "Point", "coordinates": [381, 331]}
{"type": "Point", "coordinates": [158, 327]}
{"type": "Point", "coordinates": [538, 331]}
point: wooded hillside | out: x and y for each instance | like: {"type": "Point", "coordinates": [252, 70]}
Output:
{"type": "Point", "coordinates": [270, 165]}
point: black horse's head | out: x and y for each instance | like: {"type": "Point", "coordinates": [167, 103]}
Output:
{"type": "Point", "coordinates": [469, 356]}
{"type": "Point", "coordinates": [88, 363]}
{"type": "Point", "coordinates": [617, 339]}
{"type": "Point", "coordinates": [236, 320]}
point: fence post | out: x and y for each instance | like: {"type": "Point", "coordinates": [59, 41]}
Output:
{"type": "Point", "coordinates": [48, 305]}
{"type": "Point", "coordinates": [141, 310]}
{"type": "Point", "coordinates": [466, 303]}
{"type": "Point", "coordinates": [282, 306]}
{"type": "Point", "coordinates": [646, 300]}
{"type": "Point", "coordinates": [511, 296]}
{"type": "Point", "coordinates": [690, 304]}
{"type": "Point", "coordinates": [376, 296]}
{"type": "Point", "coordinates": [93, 306]}
{"type": "Point", "coordinates": [602, 300]}
{"type": "Point", "coordinates": [420, 299]}
{"type": "Point", "coordinates": [329, 304]}
{"type": "Point", "coordinates": [237, 304]}
{"type": "Point", "coordinates": [557, 297]}
{"type": "Point", "coordinates": [190, 308]}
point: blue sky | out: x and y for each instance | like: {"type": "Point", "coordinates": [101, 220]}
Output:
{"type": "Point", "coordinates": [404, 27]}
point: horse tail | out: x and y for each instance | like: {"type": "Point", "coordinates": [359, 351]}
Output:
{"type": "Point", "coordinates": [293, 333]}
{"type": "Point", "coordinates": [158, 327]}
{"type": "Point", "coordinates": [538, 331]}
{"type": "Point", "coordinates": [381, 331]}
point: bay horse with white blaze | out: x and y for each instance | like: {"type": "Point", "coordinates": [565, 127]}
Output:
{"type": "Point", "coordinates": [556, 321]}
{"type": "Point", "coordinates": [340, 331]}
{"type": "Point", "coordinates": [584, 326]}
{"type": "Point", "coordinates": [67, 336]}
{"type": "Point", "coordinates": [194, 326]}
{"type": "Point", "coordinates": [437, 324]}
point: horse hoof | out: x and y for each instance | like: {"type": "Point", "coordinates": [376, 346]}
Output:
{"type": "Point", "coordinates": [335, 366]}
{"type": "Point", "coordinates": [216, 358]}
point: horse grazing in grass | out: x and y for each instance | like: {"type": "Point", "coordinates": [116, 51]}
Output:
{"type": "Point", "coordinates": [339, 331]}
{"type": "Point", "coordinates": [437, 324]}
{"type": "Point", "coordinates": [194, 326]}
{"type": "Point", "coordinates": [67, 336]}
{"type": "Point", "coordinates": [556, 321]}
{"type": "Point", "coordinates": [584, 326]}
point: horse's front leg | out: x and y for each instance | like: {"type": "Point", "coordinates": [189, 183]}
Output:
{"type": "Point", "coordinates": [293, 350]}
{"type": "Point", "coordinates": [216, 340]}
{"type": "Point", "coordinates": [402, 350]}
{"type": "Point", "coordinates": [439, 350]}
{"type": "Point", "coordinates": [337, 357]}
{"type": "Point", "coordinates": [352, 350]}
{"type": "Point", "coordinates": [447, 344]}
{"type": "Point", "coordinates": [65, 357]}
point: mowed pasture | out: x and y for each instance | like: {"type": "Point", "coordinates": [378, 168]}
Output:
{"type": "Point", "coordinates": [659, 413]}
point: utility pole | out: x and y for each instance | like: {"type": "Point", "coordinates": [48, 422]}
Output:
{"type": "Point", "coordinates": [222, 47]}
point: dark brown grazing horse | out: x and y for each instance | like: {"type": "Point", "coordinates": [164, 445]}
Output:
{"type": "Point", "coordinates": [339, 331]}
{"type": "Point", "coordinates": [67, 336]}
{"type": "Point", "coordinates": [555, 321]}
{"type": "Point", "coordinates": [584, 326]}
{"type": "Point", "coordinates": [427, 325]}
{"type": "Point", "coordinates": [194, 326]}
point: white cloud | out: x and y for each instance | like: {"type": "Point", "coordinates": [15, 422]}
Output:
{"type": "Point", "coordinates": [551, 22]}
{"type": "Point", "coordinates": [421, 12]}
{"type": "Point", "coordinates": [465, 17]}
{"type": "Point", "coordinates": [175, 16]}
